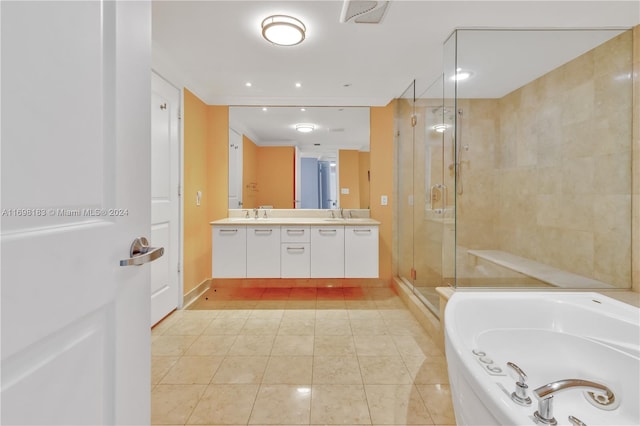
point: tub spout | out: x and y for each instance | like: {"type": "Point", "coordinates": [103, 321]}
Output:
{"type": "Point", "coordinates": [600, 395]}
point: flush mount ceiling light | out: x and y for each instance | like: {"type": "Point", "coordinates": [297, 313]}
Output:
{"type": "Point", "coordinates": [305, 127]}
{"type": "Point", "coordinates": [283, 30]}
{"type": "Point", "coordinates": [461, 75]}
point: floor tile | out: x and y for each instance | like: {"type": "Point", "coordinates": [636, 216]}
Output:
{"type": "Point", "coordinates": [160, 365]}
{"type": "Point", "coordinates": [252, 345]}
{"type": "Point", "coordinates": [375, 346]}
{"type": "Point", "coordinates": [332, 314]}
{"type": "Point", "coordinates": [171, 345]}
{"type": "Point", "coordinates": [339, 404]}
{"type": "Point", "coordinates": [437, 399]}
{"type": "Point", "coordinates": [383, 370]}
{"type": "Point", "coordinates": [211, 345]}
{"type": "Point", "coordinates": [225, 405]}
{"type": "Point", "coordinates": [333, 327]}
{"type": "Point", "coordinates": [289, 370]}
{"type": "Point", "coordinates": [172, 404]}
{"type": "Point", "coordinates": [260, 326]}
{"type": "Point", "coordinates": [293, 345]}
{"type": "Point", "coordinates": [342, 370]}
{"type": "Point", "coordinates": [240, 369]}
{"type": "Point", "coordinates": [188, 326]}
{"type": "Point", "coordinates": [334, 346]}
{"type": "Point", "coordinates": [427, 371]}
{"type": "Point", "coordinates": [396, 405]}
{"type": "Point", "coordinates": [416, 346]}
{"type": "Point", "coordinates": [192, 370]}
{"type": "Point", "coordinates": [225, 326]}
{"type": "Point", "coordinates": [282, 405]}
{"type": "Point", "coordinates": [297, 326]}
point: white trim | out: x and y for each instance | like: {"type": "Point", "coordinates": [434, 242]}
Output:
{"type": "Point", "coordinates": [195, 293]}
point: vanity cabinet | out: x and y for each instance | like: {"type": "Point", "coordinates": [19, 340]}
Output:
{"type": "Point", "coordinates": [229, 251]}
{"type": "Point", "coordinates": [327, 252]}
{"type": "Point", "coordinates": [295, 253]}
{"type": "Point", "coordinates": [263, 252]}
{"type": "Point", "coordinates": [361, 251]}
{"type": "Point", "coordinates": [289, 250]}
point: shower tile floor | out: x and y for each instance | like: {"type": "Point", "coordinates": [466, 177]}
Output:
{"type": "Point", "coordinates": [301, 356]}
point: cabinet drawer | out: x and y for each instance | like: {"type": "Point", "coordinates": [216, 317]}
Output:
{"type": "Point", "coordinates": [295, 234]}
{"type": "Point", "coordinates": [295, 260]}
{"type": "Point", "coordinates": [327, 252]}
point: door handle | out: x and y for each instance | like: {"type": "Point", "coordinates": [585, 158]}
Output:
{"type": "Point", "coordinates": [140, 253]}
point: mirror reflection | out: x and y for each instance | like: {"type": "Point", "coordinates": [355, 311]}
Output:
{"type": "Point", "coordinates": [298, 157]}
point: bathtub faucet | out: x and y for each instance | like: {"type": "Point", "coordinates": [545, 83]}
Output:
{"type": "Point", "coordinates": [597, 394]}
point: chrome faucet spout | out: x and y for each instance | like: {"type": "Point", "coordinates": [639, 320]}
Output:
{"type": "Point", "coordinates": [599, 395]}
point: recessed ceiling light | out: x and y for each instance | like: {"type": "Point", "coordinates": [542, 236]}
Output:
{"type": "Point", "coordinates": [283, 30]}
{"type": "Point", "coordinates": [346, 85]}
{"type": "Point", "coordinates": [461, 75]}
{"type": "Point", "coordinates": [303, 109]}
{"type": "Point", "coordinates": [441, 128]}
{"type": "Point", "coordinates": [248, 84]}
{"type": "Point", "coordinates": [298, 84]}
{"type": "Point", "coordinates": [305, 127]}
{"type": "Point", "coordinates": [264, 108]}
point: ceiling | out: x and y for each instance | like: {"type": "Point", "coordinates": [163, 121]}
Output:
{"type": "Point", "coordinates": [214, 48]}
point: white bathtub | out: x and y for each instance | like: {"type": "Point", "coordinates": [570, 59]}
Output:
{"type": "Point", "coordinates": [551, 336]}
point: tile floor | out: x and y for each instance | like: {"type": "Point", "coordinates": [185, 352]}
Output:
{"type": "Point", "coordinates": [301, 356]}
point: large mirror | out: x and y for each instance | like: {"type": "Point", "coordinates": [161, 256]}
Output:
{"type": "Point", "coordinates": [298, 157]}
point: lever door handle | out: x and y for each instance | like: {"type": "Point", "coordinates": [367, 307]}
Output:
{"type": "Point", "coordinates": [141, 253]}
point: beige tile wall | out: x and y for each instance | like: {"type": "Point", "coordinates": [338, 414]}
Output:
{"type": "Point", "coordinates": [548, 171]}
{"type": "Point", "coordinates": [636, 161]}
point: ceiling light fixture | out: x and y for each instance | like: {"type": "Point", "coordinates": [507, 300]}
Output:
{"type": "Point", "coordinates": [298, 84]}
{"type": "Point", "coordinates": [305, 127]}
{"type": "Point", "coordinates": [283, 30]}
{"type": "Point", "coordinates": [461, 75]}
{"type": "Point", "coordinates": [248, 84]}
{"type": "Point", "coordinates": [440, 128]}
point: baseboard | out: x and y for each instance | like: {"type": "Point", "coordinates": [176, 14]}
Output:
{"type": "Point", "coordinates": [298, 282]}
{"type": "Point", "coordinates": [194, 293]}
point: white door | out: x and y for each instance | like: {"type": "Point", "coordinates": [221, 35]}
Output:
{"type": "Point", "coordinates": [75, 193]}
{"type": "Point", "coordinates": [235, 169]}
{"type": "Point", "coordinates": [165, 200]}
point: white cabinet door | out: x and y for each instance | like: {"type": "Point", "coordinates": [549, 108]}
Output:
{"type": "Point", "coordinates": [361, 251]}
{"type": "Point", "coordinates": [229, 252]}
{"type": "Point", "coordinates": [263, 252]}
{"type": "Point", "coordinates": [295, 260]}
{"type": "Point", "coordinates": [327, 251]}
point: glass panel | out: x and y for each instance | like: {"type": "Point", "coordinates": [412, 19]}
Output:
{"type": "Point", "coordinates": [543, 192]}
{"type": "Point", "coordinates": [432, 216]}
{"type": "Point", "coordinates": [404, 112]}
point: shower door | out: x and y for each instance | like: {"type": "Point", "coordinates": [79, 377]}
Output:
{"type": "Point", "coordinates": [425, 216]}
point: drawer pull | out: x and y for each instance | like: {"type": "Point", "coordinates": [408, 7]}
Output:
{"type": "Point", "coordinates": [362, 230]}
{"type": "Point", "coordinates": [263, 231]}
{"type": "Point", "coordinates": [228, 231]}
{"type": "Point", "coordinates": [328, 231]}
{"type": "Point", "coordinates": [295, 231]}
{"type": "Point", "coordinates": [295, 248]}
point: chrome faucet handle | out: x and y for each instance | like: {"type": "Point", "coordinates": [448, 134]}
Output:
{"type": "Point", "coordinates": [246, 214]}
{"type": "Point", "coordinates": [333, 215]}
{"type": "Point", "coordinates": [597, 394]}
{"type": "Point", "coordinates": [519, 396]}
{"type": "Point", "coordinates": [264, 214]}
{"type": "Point", "coordinates": [576, 421]}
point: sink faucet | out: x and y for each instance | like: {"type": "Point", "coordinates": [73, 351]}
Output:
{"type": "Point", "coordinates": [255, 213]}
{"type": "Point", "coordinates": [264, 213]}
{"type": "Point", "coordinates": [246, 214]}
{"type": "Point", "coordinates": [341, 212]}
{"type": "Point", "coordinates": [598, 395]}
{"type": "Point", "coordinates": [333, 215]}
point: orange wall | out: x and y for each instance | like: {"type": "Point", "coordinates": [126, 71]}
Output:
{"type": "Point", "coordinates": [363, 170]}
{"type": "Point", "coordinates": [381, 156]}
{"type": "Point", "coordinates": [249, 173]}
{"type": "Point", "coordinates": [275, 176]}
{"type": "Point", "coordinates": [349, 177]}
{"type": "Point", "coordinates": [206, 138]}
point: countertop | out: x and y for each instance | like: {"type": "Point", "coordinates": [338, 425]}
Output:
{"type": "Point", "coordinates": [296, 221]}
